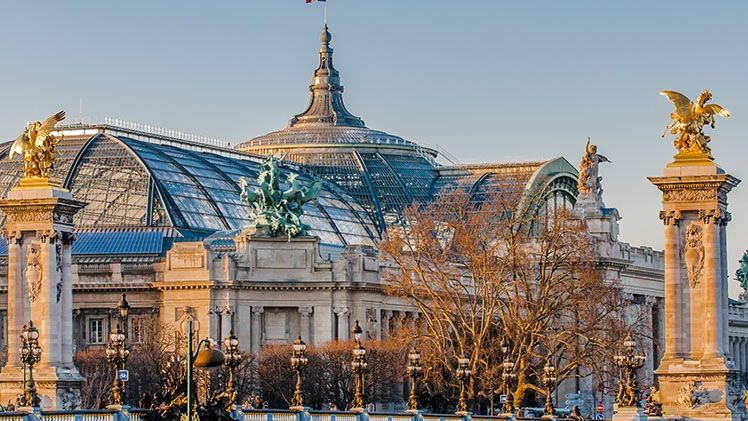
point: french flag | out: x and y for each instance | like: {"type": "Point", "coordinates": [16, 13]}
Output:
{"type": "Point", "coordinates": [309, 1]}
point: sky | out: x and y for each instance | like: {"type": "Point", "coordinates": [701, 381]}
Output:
{"type": "Point", "coordinates": [486, 80]}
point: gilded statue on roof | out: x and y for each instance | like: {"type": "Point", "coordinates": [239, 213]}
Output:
{"type": "Point", "coordinates": [689, 119]}
{"type": "Point", "coordinates": [276, 211]}
{"type": "Point", "coordinates": [37, 146]}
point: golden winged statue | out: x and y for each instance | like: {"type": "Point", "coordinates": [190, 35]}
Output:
{"type": "Point", "coordinates": [689, 119]}
{"type": "Point", "coordinates": [37, 146]}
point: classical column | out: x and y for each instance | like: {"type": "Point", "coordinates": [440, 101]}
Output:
{"type": "Point", "coordinates": [711, 277]}
{"type": "Point", "coordinates": [16, 298]}
{"type": "Point", "coordinates": [648, 337]}
{"type": "Point", "coordinates": [257, 328]}
{"type": "Point", "coordinates": [66, 244]}
{"type": "Point", "coordinates": [386, 316]}
{"type": "Point", "coordinates": [673, 295]}
{"type": "Point", "coordinates": [305, 323]}
{"type": "Point", "coordinates": [342, 314]}
{"type": "Point", "coordinates": [411, 318]}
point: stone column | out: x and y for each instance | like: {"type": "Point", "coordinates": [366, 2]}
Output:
{"type": "Point", "coordinates": [305, 323]}
{"type": "Point", "coordinates": [673, 309]}
{"type": "Point", "coordinates": [257, 328]}
{"type": "Point", "coordinates": [67, 299]}
{"type": "Point", "coordinates": [16, 299]}
{"type": "Point", "coordinates": [648, 338]}
{"type": "Point", "coordinates": [386, 316]}
{"type": "Point", "coordinates": [711, 278]}
{"type": "Point", "coordinates": [342, 314]}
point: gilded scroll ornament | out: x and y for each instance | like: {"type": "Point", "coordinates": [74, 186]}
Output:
{"type": "Point", "coordinates": [37, 145]}
{"type": "Point", "coordinates": [33, 272]}
{"type": "Point", "coordinates": [694, 253]}
{"type": "Point", "coordinates": [689, 119]}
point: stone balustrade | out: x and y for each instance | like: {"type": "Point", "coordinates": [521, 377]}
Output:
{"type": "Point", "coordinates": [128, 414]}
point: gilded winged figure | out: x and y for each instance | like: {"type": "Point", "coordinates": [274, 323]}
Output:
{"type": "Point", "coordinates": [37, 145]}
{"type": "Point", "coordinates": [689, 119]}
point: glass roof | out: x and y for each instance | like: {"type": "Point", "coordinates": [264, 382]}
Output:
{"type": "Point", "coordinates": [135, 183]}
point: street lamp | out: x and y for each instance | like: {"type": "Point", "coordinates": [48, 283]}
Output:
{"type": "Point", "coordinates": [629, 362]}
{"type": "Point", "coordinates": [415, 370]}
{"type": "Point", "coordinates": [116, 354]}
{"type": "Point", "coordinates": [298, 363]}
{"type": "Point", "coordinates": [549, 379]}
{"type": "Point", "coordinates": [207, 357]}
{"type": "Point", "coordinates": [232, 359]}
{"type": "Point", "coordinates": [31, 353]}
{"type": "Point", "coordinates": [507, 375]}
{"type": "Point", "coordinates": [358, 367]}
{"type": "Point", "coordinates": [463, 374]}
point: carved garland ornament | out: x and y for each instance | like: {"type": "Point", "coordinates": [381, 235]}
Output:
{"type": "Point", "coordinates": [689, 195]}
{"type": "Point", "coordinates": [694, 253]}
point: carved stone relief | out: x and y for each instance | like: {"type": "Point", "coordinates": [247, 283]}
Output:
{"type": "Point", "coordinates": [692, 395]}
{"type": "Point", "coordinates": [689, 195]}
{"type": "Point", "coordinates": [33, 271]}
{"type": "Point", "coordinates": [694, 253]}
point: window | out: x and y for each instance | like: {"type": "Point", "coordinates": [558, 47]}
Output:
{"type": "Point", "coordinates": [138, 329]}
{"type": "Point", "coordinates": [96, 330]}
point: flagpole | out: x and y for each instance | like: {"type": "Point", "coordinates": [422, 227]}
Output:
{"type": "Point", "coordinates": [325, 13]}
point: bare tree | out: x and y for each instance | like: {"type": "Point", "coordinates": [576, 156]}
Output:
{"type": "Point", "coordinates": [496, 266]}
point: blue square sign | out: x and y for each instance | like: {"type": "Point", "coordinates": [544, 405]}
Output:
{"type": "Point", "coordinates": [124, 375]}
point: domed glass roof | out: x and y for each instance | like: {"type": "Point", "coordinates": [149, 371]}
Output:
{"type": "Point", "coordinates": [129, 182]}
{"type": "Point", "coordinates": [384, 172]}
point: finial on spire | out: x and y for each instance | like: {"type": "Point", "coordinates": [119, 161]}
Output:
{"type": "Point", "coordinates": [326, 105]}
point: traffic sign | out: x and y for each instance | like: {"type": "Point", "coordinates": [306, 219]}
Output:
{"type": "Point", "coordinates": [502, 398]}
{"type": "Point", "coordinates": [600, 408]}
{"type": "Point", "coordinates": [599, 416]}
{"type": "Point", "coordinates": [124, 375]}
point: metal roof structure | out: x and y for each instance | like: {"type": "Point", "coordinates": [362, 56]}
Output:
{"type": "Point", "coordinates": [384, 172]}
{"type": "Point", "coordinates": [165, 182]}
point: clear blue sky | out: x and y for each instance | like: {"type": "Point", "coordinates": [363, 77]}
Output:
{"type": "Point", "coordinates": [487, 80]}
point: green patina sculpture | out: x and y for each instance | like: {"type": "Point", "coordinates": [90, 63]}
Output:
{"type": "Point", "coordinates": [277, 211]}
{"type": "Point", "coordinates": [742, 273]}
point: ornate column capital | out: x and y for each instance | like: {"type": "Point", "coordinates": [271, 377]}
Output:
{"type": "Point", "coordinates": [371, 315]}
{"type": "Point", "coordinates": [670, 217]}
{"type": "Point", "coordinates": [342, 311]}
{"type": "Point", "coordinates": [628, 297]}
{"type": "Point", "coordinates": [713, 216]}
{"type": "Point", "coordinates": [306, 311]}
{"type": "Point", "coordinates": [649, 301]}
{"type": "Point", "coordinates": [257, 310]}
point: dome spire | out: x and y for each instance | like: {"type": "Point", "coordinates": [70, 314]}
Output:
{"type": "Point", "coordinates": [326, 104]}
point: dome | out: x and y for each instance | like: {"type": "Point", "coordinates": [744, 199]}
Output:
{"type": "Point", "coordinates": [383, 172]}
{"type": "Point", "coordinates": [133, 180]}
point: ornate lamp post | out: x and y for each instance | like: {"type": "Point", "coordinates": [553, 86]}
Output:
{"type": "Point", "coordinates": [232, 359]}
{"type": "Point", "coordinates": [298, 363]}
{"type": "Point", "coordinates": [359, 367]}
{"type": "Point", "coordinates": [463, 375]}
{"type": "Point", "coordinates": [628, 362]}
{"type": "Point", "coordinates": [207, 357]}
{"type": "Point", "coordinates": [507, 376]}
{"type": "Point", "coordinates": [116, 354]}
{"type": "Point", "coordinates": [549, 379]}
{"type": "Point", "coordinates": [415, 370]}
{"type": "Point", "coordinates": [31, 353]}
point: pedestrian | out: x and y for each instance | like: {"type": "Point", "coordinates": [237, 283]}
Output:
{"type": "Point", "coordinates": [145, 401]}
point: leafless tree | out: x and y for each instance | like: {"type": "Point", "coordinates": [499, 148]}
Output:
{"type": "Point", "coordinates": [502, 266]}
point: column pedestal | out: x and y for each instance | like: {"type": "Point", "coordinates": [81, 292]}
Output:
{"type": "Point", "coordinates": [694, 378]}
{"type": "Point", "coordinates": [38, 227]}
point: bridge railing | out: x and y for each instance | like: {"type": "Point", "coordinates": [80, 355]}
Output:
{"type": "Point", "coordinates": [133, 414]}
